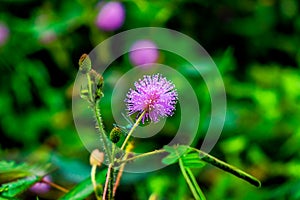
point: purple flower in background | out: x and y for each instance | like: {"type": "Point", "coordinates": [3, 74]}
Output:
{"type": "Point", "coordinates": [47, 36]}
{"type": "Point", "coordinates": [111, 16]}
{"type": "Point", "coordinates": [143, 52]}
{"type": "Point", "coordinates": [40, 187]}
{"type": "Point", "coordinates": [4, 32]}
{"type": "Point", "coordinates": [153, 94]}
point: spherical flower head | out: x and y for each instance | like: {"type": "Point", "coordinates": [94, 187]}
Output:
{"type": "Point", "coordinates": [143, 52]}
{"type": "Point", "coordinates": [4, 32]}
{"type": "Point", "coordinates": [111, 16]}
{"type": "Point", "coordinates": [153, 94]}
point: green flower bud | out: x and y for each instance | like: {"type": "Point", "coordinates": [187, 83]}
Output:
{"type": "Point", "coordinates": [98, 81]}
{"type": "Point", "coordinates": [115, 134]}
{"type": "Point", "coordinates": [85, 64]}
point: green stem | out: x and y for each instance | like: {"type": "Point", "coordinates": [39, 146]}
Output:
{"type": "Point", "coordinates": [228, 168]}
{"type": "Point", "coordinates": [96, 109]}
{"type": "Point", "coordinates": [111, 175]}
{"type": "Point", "coordinates": [143, 155]}
{"type": "Point", "coordinates": [101, 130]}
{"type": "Point", "coordinates": [198, 189]}
{"type": "Point", "coordinates": [93, 179]}
{"type": "Point", "coordinates": [132, 129]}
{"type": "Point", "coordinates": [111, 184]}
{"type": "Point", "coordinates": [187, 179]}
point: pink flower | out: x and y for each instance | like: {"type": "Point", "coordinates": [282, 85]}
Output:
{"type": "Point", "coordinates": [40, 187]}
{"type": "Point", "coordinates": [143, 52]}
{"type": "Point", "coordinates": [111, 16]}
{"type": "Point", "coordinates": [47, 37]}
{"type": "Point", "coordinates": [153, 94]}
{"type": "Point", "coordinates": [4, 33]}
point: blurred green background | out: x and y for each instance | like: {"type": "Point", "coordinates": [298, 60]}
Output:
{"type": "Point", "coordinates": [255, 44]}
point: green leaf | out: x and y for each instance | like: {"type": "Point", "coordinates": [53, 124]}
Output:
{"type": "Point", "coordinates": [227, 167]}
{"type": "Point", "coordinates": [6, 198]}
{"type": "Point", "coordinates": [84, 188]}
{"type": "Point", "coordinates": [10, 171]}
{"type": "Point", "coordinates": [19, 177]}
{"type": "Point", "coordinates": [191, 159]}
{"type": "Point", "coordinates": [16, 187]}
{"type": "Point", "coordinates": [175, 151]}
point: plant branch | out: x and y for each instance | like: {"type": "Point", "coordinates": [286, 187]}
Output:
{"type": "Point", "coordinates": [101, 130]}
{"type": "Point", "coordinates": [142, 155]}
{"type": "Point", "coordinates": [228, 168]}
{"type": "Point", "coordinates": [132, 129]}
{"type": "Point", "coordinates": [186, 177]}
{"type": "Point", "coordinates": [198, 189]}
{"type": "Point", "coordinates": [107, 182]}
{"type": "Point", "coordinates": [60, 188]}
{"type": "Point", "coordinates": [118, 179]}
{"type": "Point", "coordinates": [93, 179]}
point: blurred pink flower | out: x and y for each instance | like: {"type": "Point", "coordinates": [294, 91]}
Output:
{"type": "Point", "coordinates": [4, 33]}
{"type": "Point", "coordinates": [111, 16]}
{"type": "Point", "coordinates": [143, 52]}
{"type": "Point", "coordinates": [47, 37]}
{"type": "Point", "coordinates": [40, 187]}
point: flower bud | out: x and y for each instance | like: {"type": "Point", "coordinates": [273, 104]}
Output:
{"type": "Point", "coordinates": [115, 134]}
{"type": "Point", "coordinates": [95, 77]}
{"type": "Point", "coordinates": [85, 64]}
{"type": "Point", "coordinates": [96, 157]}
{"type": "Point", "coordinates": [98, 81]}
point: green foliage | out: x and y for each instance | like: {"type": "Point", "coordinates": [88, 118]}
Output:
{"type": "Point", "coordinates": [10, 170]}
{"type": "Point", "coordinates": [14, 188]}
{"type": "Point", "coordinates": [255, 45]}
{"type": "Point", "coordinates": [85, 187]}
{"type": "Point", "coordinates": [17, 178]}
{"type": "Point", "coordinates": [189, 157]}
{"type": "Point", "coordinates": [175, 153]}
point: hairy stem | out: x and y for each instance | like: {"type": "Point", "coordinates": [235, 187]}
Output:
{"type": "Point", "coordinates": [101, 130]}
{"type": "Point", "coordinates": [132, 129]}
{"type": "Point", "coordinates": [111, 184]}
